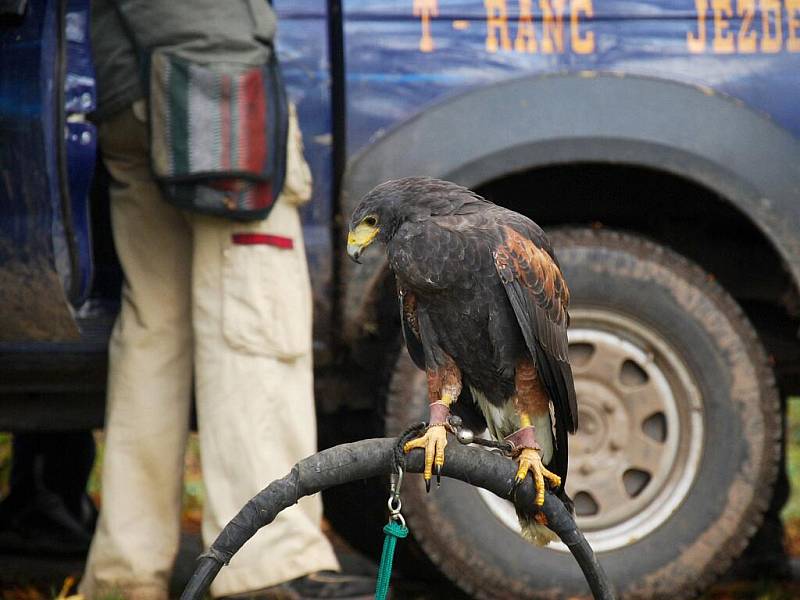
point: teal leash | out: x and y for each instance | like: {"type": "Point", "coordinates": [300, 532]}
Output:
{"type": "Point", "coordinates": [395, 530]}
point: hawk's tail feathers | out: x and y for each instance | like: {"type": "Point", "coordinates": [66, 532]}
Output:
{"type": "Point", "coordinates": [538, 533]}
{"type": "Point", "coordinates": [534, 532]}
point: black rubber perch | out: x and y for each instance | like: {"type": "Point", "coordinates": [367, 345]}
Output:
{"type": "Point", "coordinates": [372, 458]}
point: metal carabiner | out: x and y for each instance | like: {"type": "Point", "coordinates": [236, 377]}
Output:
{"type": "Point", "coordinates": [394, 503]}
{"type": "Point", "coordinates": [396, 482]}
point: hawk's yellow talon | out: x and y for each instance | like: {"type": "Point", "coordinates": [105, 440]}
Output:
{"type": "Point", "coordinates": [531, 460]}
{"type": "Point", "coordinates": [434, 442]}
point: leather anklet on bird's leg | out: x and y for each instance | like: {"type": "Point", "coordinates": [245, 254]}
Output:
{"type": "Point", "coordinates": [434, 441]}
{"type": "Point", "coordinates": [444, 386]}
{"type": "Point", "coordinates": [528, 454]}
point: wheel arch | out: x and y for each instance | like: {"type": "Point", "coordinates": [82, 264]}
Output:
{"type": "Point", "coordinates": [682, 130]}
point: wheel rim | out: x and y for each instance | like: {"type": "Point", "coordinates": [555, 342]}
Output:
{"type": "Point", "coordinates": [637, 450]}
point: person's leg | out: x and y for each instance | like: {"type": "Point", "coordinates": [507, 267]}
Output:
{"type": "Point", "coordinates": [252, 322]}
{"type": "Point", "coordinates": [149, 384]}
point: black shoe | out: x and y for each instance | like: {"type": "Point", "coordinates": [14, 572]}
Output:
{"type": "Point", "coordinates": [322, 584]}
{"type": "Point", "coordinates": [44, 526]}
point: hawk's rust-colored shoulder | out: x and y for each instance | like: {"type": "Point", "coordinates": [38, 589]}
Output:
{"type": "Point", "coordinates": [518, 257]}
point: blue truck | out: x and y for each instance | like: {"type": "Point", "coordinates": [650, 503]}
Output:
{"type": "Point", "coordinates": [657, 142]}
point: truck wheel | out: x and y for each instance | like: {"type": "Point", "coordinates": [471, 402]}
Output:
{"type": "Point", "coordinates": [677, 450]}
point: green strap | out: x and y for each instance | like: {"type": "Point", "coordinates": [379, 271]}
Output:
{"type": "Point", "coordinates": [393, 531]}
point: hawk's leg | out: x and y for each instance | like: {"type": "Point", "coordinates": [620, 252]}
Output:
{"type": "Point", "coordinates": [531, 401]}
{"type": "Point", "coordinates": [530, 458]}
{"type": "Point", "coordinates": [444, 386]}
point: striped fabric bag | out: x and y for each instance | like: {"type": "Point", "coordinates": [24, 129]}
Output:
{"type": "Point", "coordinates": [218, 138]}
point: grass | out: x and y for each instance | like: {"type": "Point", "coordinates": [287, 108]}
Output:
{"type": "Point", "coordinates": [791, 512]}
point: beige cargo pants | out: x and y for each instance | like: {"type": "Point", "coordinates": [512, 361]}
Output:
{"type": "Point", "coordinates": [236, 319]}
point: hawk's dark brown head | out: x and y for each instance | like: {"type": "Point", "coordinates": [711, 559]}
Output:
{"type": "Point", "coordinates": [387, 206]}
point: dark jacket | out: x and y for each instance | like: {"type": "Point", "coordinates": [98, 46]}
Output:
{"type": "Point", "coordinates": [205, 31]}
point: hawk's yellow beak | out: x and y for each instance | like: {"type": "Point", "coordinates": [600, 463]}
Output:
{"type": "Point", "coordinates": [359, 238]}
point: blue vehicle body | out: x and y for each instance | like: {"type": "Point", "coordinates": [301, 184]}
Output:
{"type": "Point", "coordinates": [46, 83]}
{"type": "Point", "coordinates": [360, 72]}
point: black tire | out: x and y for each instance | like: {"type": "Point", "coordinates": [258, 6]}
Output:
{"type": "Point", "coordinates": [725, 502]}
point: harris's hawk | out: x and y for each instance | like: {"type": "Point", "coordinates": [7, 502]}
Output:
{"type": "Point", "coordinates": [484, 307]}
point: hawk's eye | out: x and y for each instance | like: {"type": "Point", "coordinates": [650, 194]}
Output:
{"type": "Point", "coordinates": [370, 221]}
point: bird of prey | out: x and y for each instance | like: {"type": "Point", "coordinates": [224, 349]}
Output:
{"type": "Point", "coordinates": [483, 306]}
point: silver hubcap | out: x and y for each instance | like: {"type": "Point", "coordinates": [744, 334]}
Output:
{"type": "Point", "coordinates": [640, 433]}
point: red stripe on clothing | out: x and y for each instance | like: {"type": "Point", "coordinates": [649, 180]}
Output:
{"type": "Point", "coordinates": [252, 239]}
{"type": "Point", "coordinates": [252, 122]}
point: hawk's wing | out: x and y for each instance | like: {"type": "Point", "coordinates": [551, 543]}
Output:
{"type": "Point", "coordinates": [408, 317]}
{"type": "Point", "coordinates": [539, 296]}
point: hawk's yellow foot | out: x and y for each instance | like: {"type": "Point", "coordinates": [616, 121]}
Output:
{"type": "Point", "coordinates": [530, 460]}
{"type": "Point", "coordinates": [433, 441]}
